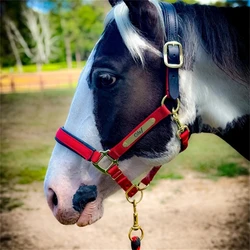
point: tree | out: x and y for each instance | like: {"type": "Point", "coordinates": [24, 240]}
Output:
{"type": "Point", "coordinates": [36, 41]}
{"type": "Point", "coordinates": [13, 45]}
{"type": "Point", "coordinates": [80, 25]}
{"type": "Point", "coordinates": [87, 26]}
{"type": "Point", "coordinates": [43, 39]}
{"type": "Point", "coordinates": [9, 49]}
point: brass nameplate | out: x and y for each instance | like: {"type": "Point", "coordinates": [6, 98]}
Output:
{"type": "Point", "coordinates": [139, 132]}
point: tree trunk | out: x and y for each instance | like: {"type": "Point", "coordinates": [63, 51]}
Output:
{"type": "Point", "coordinates": [14, 49]}
{"type": "Point", "coordinates": [78, 59]}
{"type": "Point", "coordinates": [68, 52]}
{"type": "Point", "coordinates": [38, 67]}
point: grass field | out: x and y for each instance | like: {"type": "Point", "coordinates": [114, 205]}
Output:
{"type": "Point", "coordinates": [46, 67]}
{"type": "Point", "coordinates": [29, 122]}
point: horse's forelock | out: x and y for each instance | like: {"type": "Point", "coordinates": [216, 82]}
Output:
{"type": "Point", "coordinates": [132, 38]}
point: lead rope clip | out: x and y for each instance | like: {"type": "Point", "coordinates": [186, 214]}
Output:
{"type": "Point", "coordinates": [135, 240]}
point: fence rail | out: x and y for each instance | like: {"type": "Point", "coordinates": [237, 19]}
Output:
{"type": "Point", "coordinates": [30, 82]}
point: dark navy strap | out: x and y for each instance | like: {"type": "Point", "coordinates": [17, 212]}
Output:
{"type": "Point", "coordinates": [170, 20]}
{"type": "Point", "coordinates": [173, 51]}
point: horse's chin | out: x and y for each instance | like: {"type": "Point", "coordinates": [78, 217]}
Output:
{"type": "Point", "coordinates": [91, 213]}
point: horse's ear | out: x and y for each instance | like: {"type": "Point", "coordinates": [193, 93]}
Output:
{"type": "Point", "coordinates": [114, 2]}
{"type": "Point", "coordinates": [144, 16]}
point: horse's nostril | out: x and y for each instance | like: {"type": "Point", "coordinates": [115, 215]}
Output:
{"type": "Point", "coordinates": [54, 199]}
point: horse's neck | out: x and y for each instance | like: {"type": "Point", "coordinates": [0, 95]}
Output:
{"type": "Point", "coordinates": [215, 103]}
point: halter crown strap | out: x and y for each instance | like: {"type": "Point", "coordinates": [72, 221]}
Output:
{"type": "Point", "coordinates": [173, 55]}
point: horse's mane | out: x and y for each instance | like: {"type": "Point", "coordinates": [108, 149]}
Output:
{"type": "Point", "coordinates": [223, 33]}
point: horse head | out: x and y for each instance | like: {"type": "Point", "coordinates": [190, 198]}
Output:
{"type": "Point", "coordinates": [123, 82]}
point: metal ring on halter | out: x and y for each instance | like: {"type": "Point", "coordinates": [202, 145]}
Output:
{"type": "Point", "coordinates": [174, 111]}
{"type": "Point", "coordinates": [140, 188]}
{"type": "Point", "coordinates": [132, 229]}
{"type": "Point", "coordinates": [163, 100]}
{"type": "Point", "coordinates": [129, 199]}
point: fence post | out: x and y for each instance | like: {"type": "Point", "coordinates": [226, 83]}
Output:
{"type": "Point", "coordinates": [70, 80]}
{"type": "Point", "coordinates": [12, 84]}
{"type": "Point", "coordinates": [41, 82]}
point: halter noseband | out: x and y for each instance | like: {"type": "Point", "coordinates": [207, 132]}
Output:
{"type": "Point", "coordinates": [107, 161]}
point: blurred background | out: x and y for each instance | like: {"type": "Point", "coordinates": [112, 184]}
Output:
{"type": "Point", "coordinates": [45, 36]}
{"type": "Point", "coordinates": [44, 46]}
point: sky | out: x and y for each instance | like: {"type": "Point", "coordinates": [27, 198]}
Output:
{"type": "Point", "coordinates": [41, 6]}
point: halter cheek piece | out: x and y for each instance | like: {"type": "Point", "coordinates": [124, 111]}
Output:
{"type": "Point", "coordinates": [107, 161]}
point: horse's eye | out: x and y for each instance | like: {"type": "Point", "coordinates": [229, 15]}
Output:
{"type": "Point", "coordinates": [106, 79]}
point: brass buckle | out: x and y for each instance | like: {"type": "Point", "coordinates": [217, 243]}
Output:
{"type": "Point", "coordinates": [105, 162]}
{"type": "Point", "coordinates": [165, 55]}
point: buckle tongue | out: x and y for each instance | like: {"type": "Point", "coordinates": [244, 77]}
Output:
{"type": "Point", "coordinates": [105, 162]}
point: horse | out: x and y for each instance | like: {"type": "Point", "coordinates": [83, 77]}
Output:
{"type": "Point", "coordinates": [124, 82]}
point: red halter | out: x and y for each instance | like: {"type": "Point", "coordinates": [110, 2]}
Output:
{"type": "Point", "coordinates": [107, 161]}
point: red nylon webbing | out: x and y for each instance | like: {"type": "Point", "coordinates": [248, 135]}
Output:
{"type": "Point", "coordinates": [79, 147]}
{"type": "Point", "coordinates": [159, 114]}
{"type": "Point", "coordinates": [184, 139]}
{"type": "Point", "coordinates": [149, 177]}
{"type": "Point", "coordinates": [118, 176]}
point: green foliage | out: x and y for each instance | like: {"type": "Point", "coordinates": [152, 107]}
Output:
{"type": "Point", "coordinates": [81, 23]}
{"type": "Point", "coordinates": [10, 9]}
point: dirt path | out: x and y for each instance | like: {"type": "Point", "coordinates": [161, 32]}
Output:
{"type": "Point", "coordinates": [185, 214]}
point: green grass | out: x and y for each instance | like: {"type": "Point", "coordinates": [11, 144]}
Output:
{"type": "Point", "coordinates": [28, 125]}
{"type": "Point", "coordinates": [231, 170]}
{"type": "Point", "coordinates": [170, 175]}
{"type": "Point", "coordinates": [45, 67]}
{"type": "Point", "coordinates": [8, 203]}
{"type": "Point", "coordinates": [210, 157]}
{"type": "Point", "coordinates": [226, 169]}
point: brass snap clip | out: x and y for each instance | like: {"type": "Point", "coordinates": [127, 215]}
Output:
{"type": "Point", "coordinates": [180, 127]}
{"type": "Point", "coordinates": [136, 225]}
